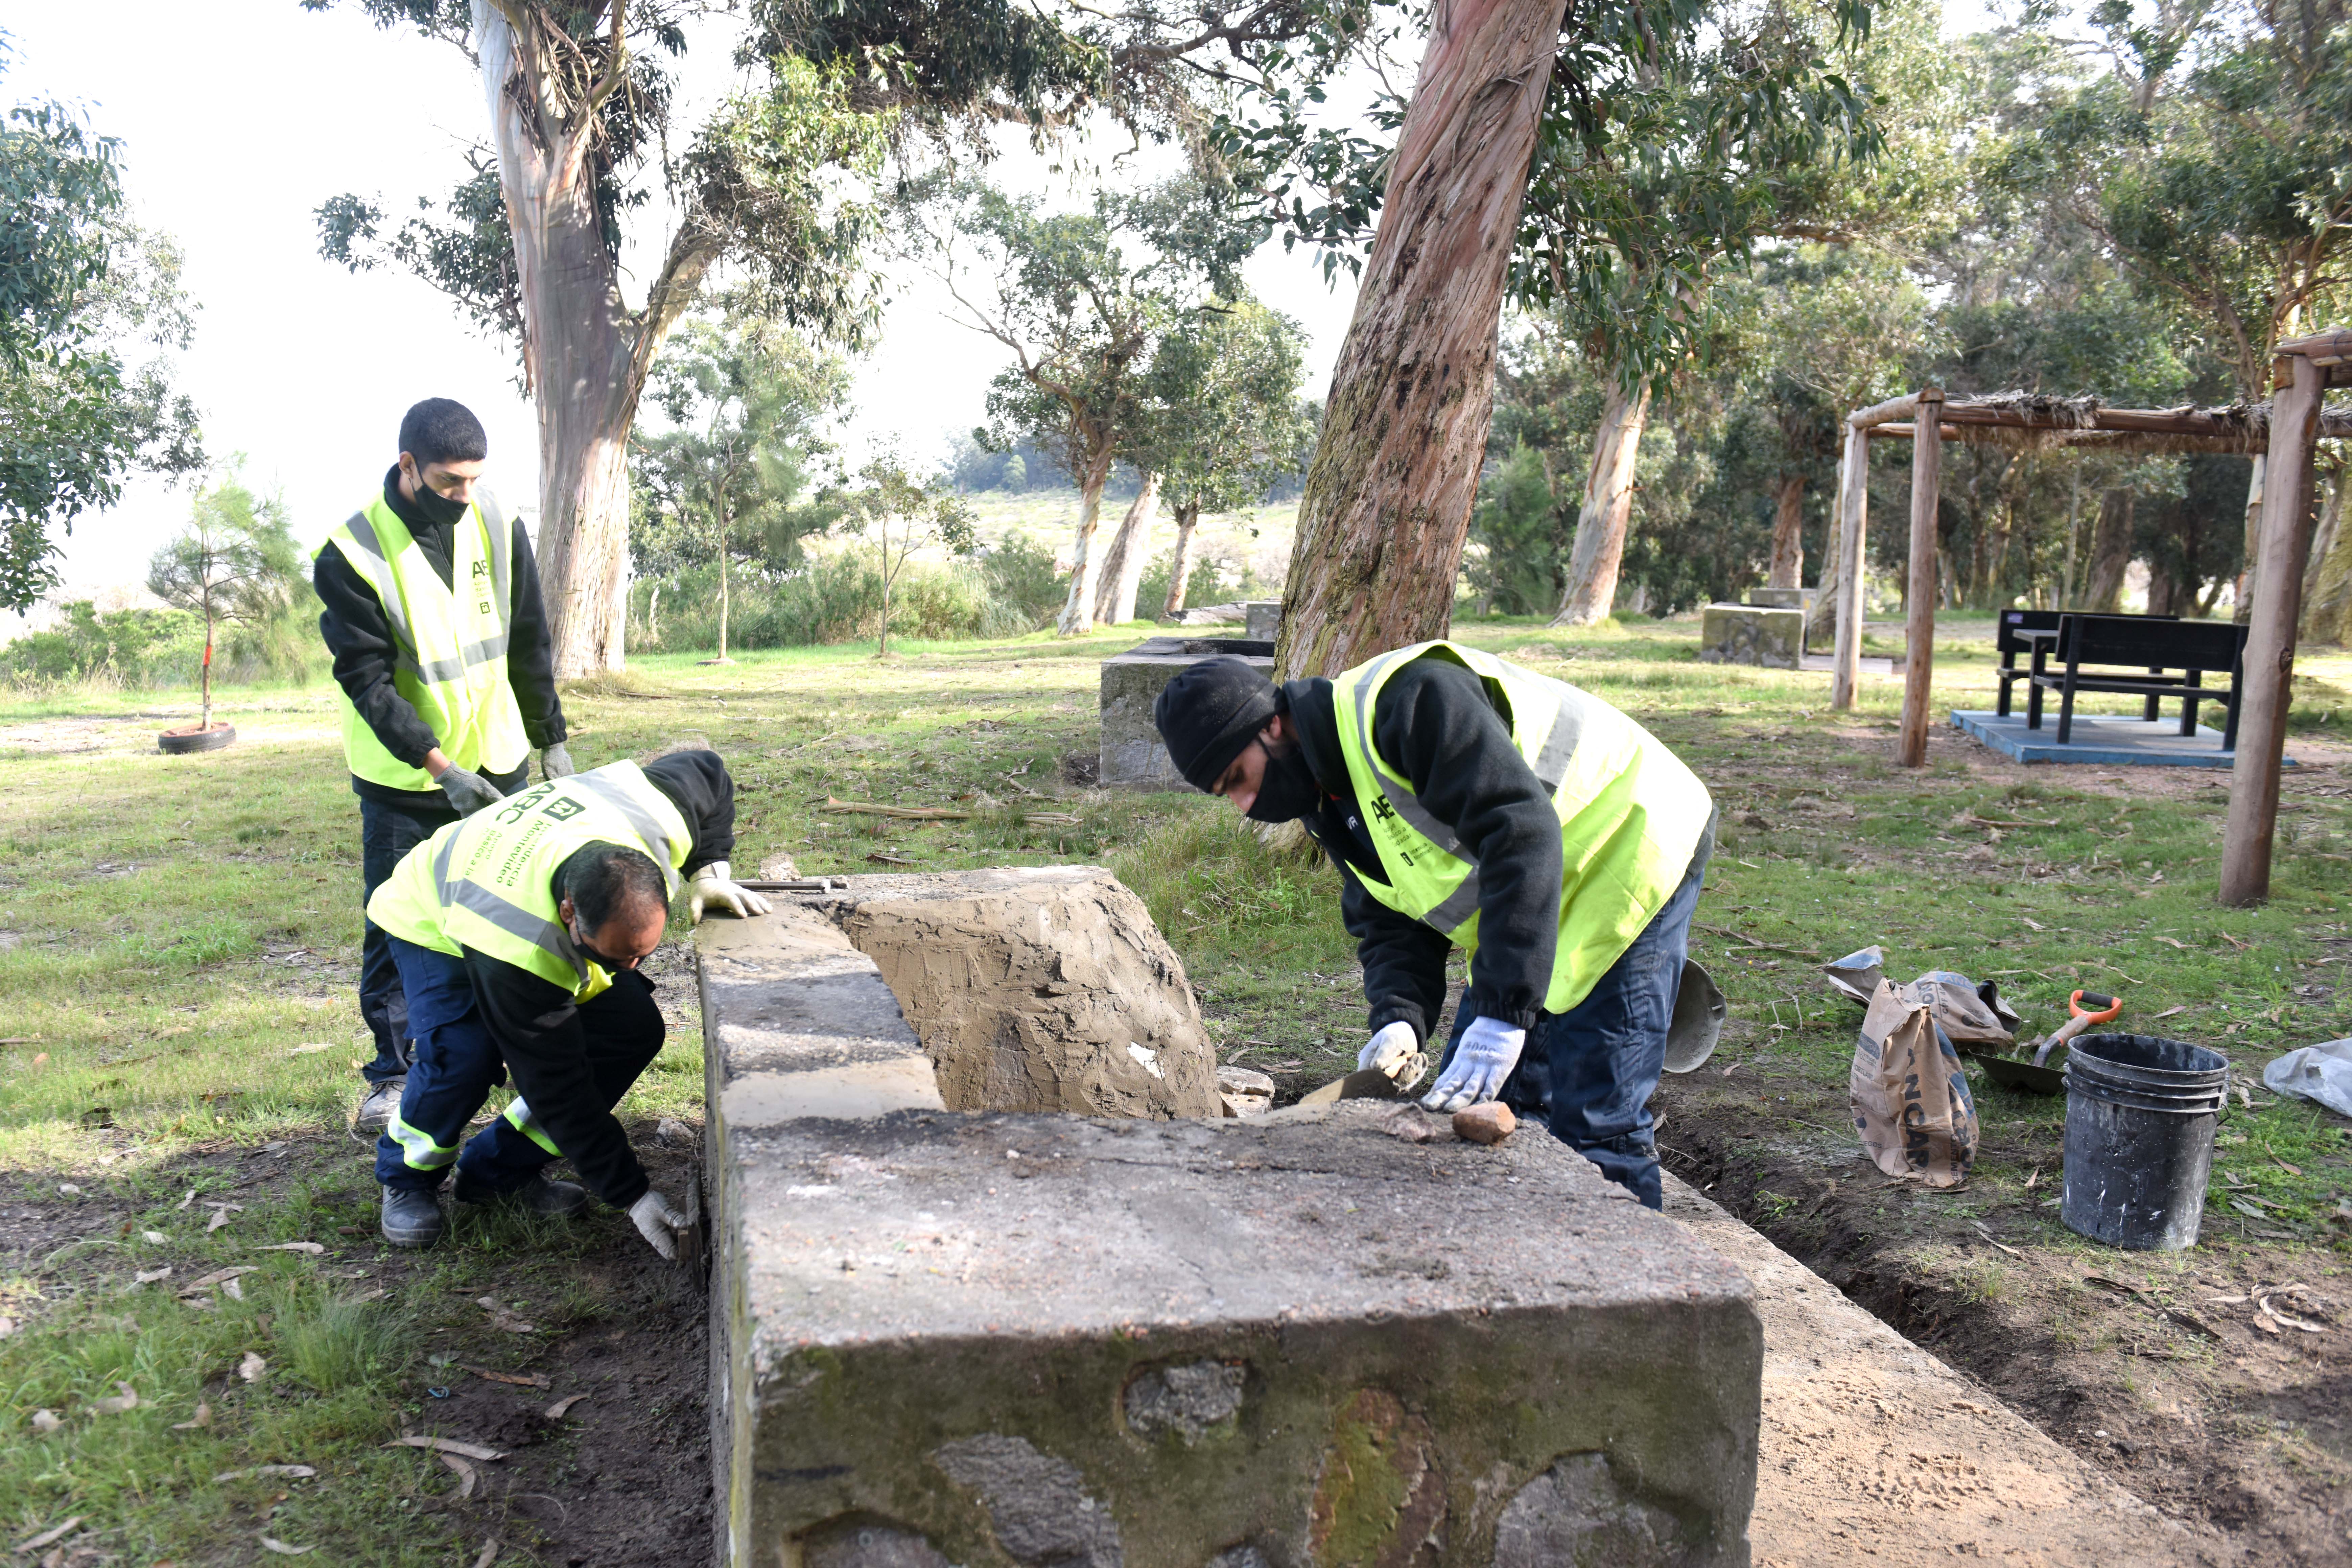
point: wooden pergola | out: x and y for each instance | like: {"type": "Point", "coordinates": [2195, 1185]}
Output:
{"type": "Point", "coordinates": [2285, 431]}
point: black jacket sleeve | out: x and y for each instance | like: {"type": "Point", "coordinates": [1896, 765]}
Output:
{"type": "Point", "coordinates": [531, 651]}
{"type": "Point", "coordinates": [699, 785]}
{"type": "Point", "coordinates": [359, 634]}
{"type": "Point", "coordinates": [1434, 724]}
{"type": "Point", "coordinates": [539, 1033]}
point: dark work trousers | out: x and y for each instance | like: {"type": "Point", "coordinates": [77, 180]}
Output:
{"type": "Point", "coordinates": [1589, 1073]}
{"type": "Point", "coordinates": [457, 1064]}
{"type": "Point", "coordinates": [387, 832]}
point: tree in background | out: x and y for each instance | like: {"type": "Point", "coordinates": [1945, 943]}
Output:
{"type": "Point", "coordinates": [529, 241]}
{"type": "Point", "coordinates": [1082, 300]}
{"type": "Point", "coordinates": [236, 564]}
{"type": "Point", "coordinates": [1222, 424]}
{"type": "Point", "coordinates": [747, 399]}
{"type": "Point", "coordinates": [82, 290]}
{"type": "Point", "coordinates": [903, 515]}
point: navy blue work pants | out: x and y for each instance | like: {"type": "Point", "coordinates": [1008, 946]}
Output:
{"type": "Point", "coordinates": [387, 832]}
{"type": "Point", "coordinates": [456, 1065]}
{"type": "Point", "coordinates": [1589, 1073]}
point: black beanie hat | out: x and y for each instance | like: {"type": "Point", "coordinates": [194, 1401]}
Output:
{"type": "Point", "coordinates": [1208, 713]}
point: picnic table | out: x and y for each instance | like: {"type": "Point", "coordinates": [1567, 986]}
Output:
{"type": "Point", "coordinates": [2130, 655]}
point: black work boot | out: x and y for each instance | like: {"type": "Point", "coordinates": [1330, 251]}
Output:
{"type": "Point", "coordinates": [379, 1105]}
{"type": "Point", "coordinates": [539, 1196]}
{"type": "Point", "coordinates": [411, 1217]}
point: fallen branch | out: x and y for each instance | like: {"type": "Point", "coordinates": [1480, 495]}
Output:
{"type": "Point", "coordinates": [1973, 820]}
{"type": "Point", "coordinates": [937, 812]}
{"type": "Point", "coordinates": [1767, 946]}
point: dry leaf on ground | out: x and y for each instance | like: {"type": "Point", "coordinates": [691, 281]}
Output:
{"type": "Point", "coordinates": [202, 1418]}
{"type": "Point", "coordinates": [252, 1367]}
{"type": "Point", "coordinates": [299, 1472]}
{"type": "Point", "coordinates": [283, 1550]}
{"type": "Point", "coordinates": [126, 1400]}
{"type": "Point", "coordinates": [556, 1411]}
{"type": "Point", "coordinates": [46, 1536]}
{"type": "Point", "coordinates": [446, 1446]}
{"type": "Point", "coordinates": [312, 1247]}
{"type": "Point", "coordinates": [466, 1475]}
{"type": "Point", "coordinates": [520, 1379]}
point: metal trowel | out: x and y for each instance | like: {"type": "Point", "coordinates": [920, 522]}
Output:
{"type": "Point", "coordinates": [1697, 1024]}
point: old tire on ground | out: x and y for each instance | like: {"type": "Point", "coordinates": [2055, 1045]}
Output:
{"type": "Point", "coordinates": [179, 742]}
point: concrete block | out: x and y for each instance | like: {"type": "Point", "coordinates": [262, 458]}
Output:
{"type": "Point", "coordinates": [1745, 634]}
{"type": "Point", "coordinates": [1783, 599]}
{"type": "Point", "coordinates": [1265, 619]}
{"type": "Point", "coordinates": [1132, 756]}
{"type": "Point", "coordinates": [1028, 1340]}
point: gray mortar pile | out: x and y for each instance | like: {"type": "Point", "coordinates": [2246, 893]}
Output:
{"type": "Point", "coordinates": [968, 1337]}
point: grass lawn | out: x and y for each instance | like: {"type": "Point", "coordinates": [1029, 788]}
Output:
{"type": "Point", "coordinates": [178, 951]}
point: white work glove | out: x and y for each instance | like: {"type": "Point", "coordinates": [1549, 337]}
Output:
{"type": "Point", "coordinates": [1488, 1053]}
{"type": "Point", "coordinates": [555, 762]}
{"type": "Point", "coordinates": [1395, 1050]}
{"type": "Point", "coordinates": [469, 791]}
{"type": "Point", "coordinates": [713, 889]}
{"type": "Point", "coordinates": [656, 1219]}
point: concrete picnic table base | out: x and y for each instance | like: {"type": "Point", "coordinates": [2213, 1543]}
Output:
{"type": "Point", "coordinates": [2102, 738]}
{"type": "Point", "coordinates": [1873, 1452]}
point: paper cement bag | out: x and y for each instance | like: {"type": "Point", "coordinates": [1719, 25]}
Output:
{"type": "Point", "coordinates": [1910, 1098]}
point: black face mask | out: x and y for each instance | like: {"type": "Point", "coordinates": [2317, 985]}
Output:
{"type": "Point", "coordinates": [1289, 791]}
{"type": "Point", "coordinates": [614, 965]}
{"type": "Point", "coordinates": [436, 507]}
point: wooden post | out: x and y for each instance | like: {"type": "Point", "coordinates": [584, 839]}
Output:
{"type": "Point", "coordinates": [2270, 644]}
{"type": "Point", "coordinates": [1854, 519]}
{"type": "Point", "coordinates": [1919, 629]}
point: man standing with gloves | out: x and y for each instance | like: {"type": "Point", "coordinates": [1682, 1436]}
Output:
{"type": "Point", "coordinates": [518, 932]}
{"type": "Point", "coordinates": [1468, 802]}
{"type": "Point", "coordinates": [445, 674]}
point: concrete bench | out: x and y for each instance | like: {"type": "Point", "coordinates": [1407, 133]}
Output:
{"type": "Point", "coordinates": [1132, 754]}
{"type": "Point", "coordinates": [1000, 1338]}
{"type": "Point", "coordinates": [1749, 634]}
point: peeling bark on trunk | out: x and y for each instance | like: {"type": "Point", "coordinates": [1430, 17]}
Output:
{"type": "Point", "coordinates": [1608, 510]}
{"type": "Point", "coordinates": [1077, 616]}
{"type": "Point", "coordinates": [1122, 565]}
{"type": "Point", "coordinates": [2251, 559]}
{"type": "Point", "coordinates": [1387, 505]}
{"type": "Point", "coordinates": [585, 354]}
{"type": "Point", "coordinates": [1788, 570]}
{"type": "Point", "coordinates": [1179, 566]}
{"type": "Point", "coordinates": [2327, 591]}
{"type": "Point", "coordinates": [2110, 552]}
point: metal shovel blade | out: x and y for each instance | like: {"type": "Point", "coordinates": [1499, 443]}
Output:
{"type": "Point", "coordinates": [1700, 1012]}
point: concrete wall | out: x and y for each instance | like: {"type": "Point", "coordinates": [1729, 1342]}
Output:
{"type": "Point", "coordinates": [1744, 634]}
{"type": "Point", "coordinates": [1027, 1339]}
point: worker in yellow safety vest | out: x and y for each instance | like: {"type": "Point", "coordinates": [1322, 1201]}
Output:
{"type": "Point", "coordinates": [446, 674]}
{"type": "Point", "coordinates": [518, 932]}
{"type": "Point", "coordinates": [1468, 802]}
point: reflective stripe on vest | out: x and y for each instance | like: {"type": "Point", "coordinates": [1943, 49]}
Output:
{"type": "Point", "coordinates": [487, 882]}
{"type": "Point", "coordinates": [1631, 815]}
{"type": "Point", "coordinates": [450, 641]}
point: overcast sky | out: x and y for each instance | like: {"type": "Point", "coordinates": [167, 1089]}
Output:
{"type": "Point", "coordinates": [238, 117]}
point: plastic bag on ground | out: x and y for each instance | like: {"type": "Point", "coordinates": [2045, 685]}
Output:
{"type": "Point", "coordinates": [2322, 1072]}
{"type": "Point", "coordinates": [1910, 1099]}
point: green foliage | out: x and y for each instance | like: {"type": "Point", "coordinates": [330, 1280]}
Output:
{"type": "Point", "coordinates": [1206, 585]}
{"type": "Point", "coordinates": [900, 514]}
{"type": "Point", "coordinates": [1522, 547]}
{"type": "Point", "coordinates": [236, 563]}
{"type": "Point", "coordinates": [1221, 420]}
{"type": "Point", "coordinates": [1020, 577]}
{"type": "Point", "coordinates": [79, 287]}
{"type": "Point", "coordinates": [118, 648]}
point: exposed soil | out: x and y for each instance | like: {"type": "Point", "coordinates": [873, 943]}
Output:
{"type": "Point", "coordinates": [2137, 1362]}
{"type": "Point", "coordinates": [621, 1480]}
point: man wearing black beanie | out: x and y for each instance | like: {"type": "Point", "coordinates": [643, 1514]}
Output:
{"type": "Point", "coordinates": [1467, 801]}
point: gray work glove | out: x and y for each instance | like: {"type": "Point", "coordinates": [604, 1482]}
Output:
{"type": "Point", "coordinates": [555, 762]}
{"type": "Point", "coordinates": [469, 791]}
{"type": "Point", "coordinates": [657, 1220]}
{"type": "Point", "coordinates": [713, 887]}
{"type": "Point", "coordinates": [1396, 1051]}
{"type": "Point", "coordinates": [1488, 1050]}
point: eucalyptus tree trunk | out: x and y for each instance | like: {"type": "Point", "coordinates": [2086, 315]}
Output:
{"type": "Point", "coordinates": [1077, 616]}
{"type": "Point", "coordinates": [2327, 585]}
{"type": "Point", "coordinates": [723, 596]}
{"type": "Point", "coordinates": [2251, 559]}
{"type": "Point", "coordinates": [1387, 498]}
{"type": "Point", "coordinates": [1180, 563]}
{"type": "Point", "coordinates": [1122, 566]}
{"type": "Point", "coordinates": [1787, 569]}
{"type": "Point", "coordinates": [585, 354]}
{"type": "Point", "coordinates": [2110, 552]}
{"type": "Point", "coordinates": [1608, 510]}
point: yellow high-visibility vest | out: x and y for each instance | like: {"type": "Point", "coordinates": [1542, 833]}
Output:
{"type": "Point", "coordinates": [1631, 815]}
{"type": "Point", "coordinates": [451, 638]}
{"type": "Point", "coordinates": [487, 882]}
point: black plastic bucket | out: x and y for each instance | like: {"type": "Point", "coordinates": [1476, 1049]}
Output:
{"type": "Point", "coordinates": [2140, 1111]}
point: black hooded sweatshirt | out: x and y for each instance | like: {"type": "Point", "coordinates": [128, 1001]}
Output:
{"type": "Point", "coordinates": [1433, 723]}
{"type": "Point", "coordinates": [537, 1027]}
{"type": "Point", "coordinates": [359, 634]}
